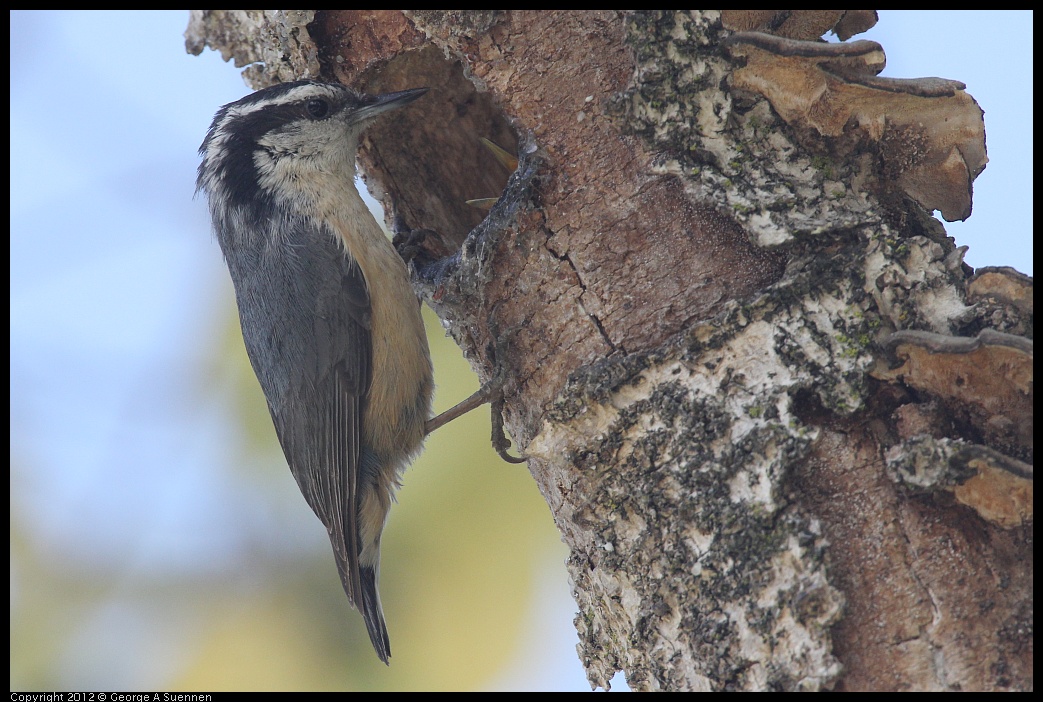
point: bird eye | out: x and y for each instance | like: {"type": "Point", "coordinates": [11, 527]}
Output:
{"type": "Point", "coordinates": [317, 108]}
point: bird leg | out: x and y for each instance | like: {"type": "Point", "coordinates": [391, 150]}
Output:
{"type": "Point", "coordinates": [491, 392]}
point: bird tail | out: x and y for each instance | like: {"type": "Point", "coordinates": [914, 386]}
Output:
{"type": "Point", "coordinates": [373, 613]}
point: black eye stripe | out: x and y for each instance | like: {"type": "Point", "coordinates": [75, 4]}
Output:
{"type": "Point", "coordinates": [251, 127]}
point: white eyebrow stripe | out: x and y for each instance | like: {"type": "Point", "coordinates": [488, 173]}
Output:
{"type": "Point", "coordinates": [295, 95]}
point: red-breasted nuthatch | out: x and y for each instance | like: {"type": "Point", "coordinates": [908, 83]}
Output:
{"type": "Point", "coordinates": [331, 324]}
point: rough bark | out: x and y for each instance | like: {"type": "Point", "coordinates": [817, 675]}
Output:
{"type": "Point", "coordinates": [784, 430]}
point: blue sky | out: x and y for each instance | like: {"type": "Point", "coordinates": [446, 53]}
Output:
{"type": "Point", "coordinates": [117, 287]}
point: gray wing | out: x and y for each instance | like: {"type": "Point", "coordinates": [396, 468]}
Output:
{"type": "Point", "coordinates": [305, 313]}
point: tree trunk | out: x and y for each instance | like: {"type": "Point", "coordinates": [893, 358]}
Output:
{"type": "Point", "coordinates": [784, 430]}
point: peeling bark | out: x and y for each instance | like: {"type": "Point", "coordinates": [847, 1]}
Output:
{"type": "Point", "coordinates": [783, 429]}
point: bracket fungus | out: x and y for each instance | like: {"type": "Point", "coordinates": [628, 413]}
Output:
{"type": "Point", "coordinates": [800, 24]}
{"type": "Point", "coordinates": [985, 382]}
{"type": "Point", "coordinates": [928, 133]}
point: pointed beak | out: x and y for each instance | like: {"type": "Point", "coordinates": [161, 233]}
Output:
{"type": "Point", "coordinates": [386, 102]}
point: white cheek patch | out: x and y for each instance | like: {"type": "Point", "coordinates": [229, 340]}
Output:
{"type": "Point", "coordinates": [299, 183]}
{"type": "Point", "coordinates": [289, 139]}
{"type": "Point", "coordinates": [275, 171]}
{"type": "Point", "coordinates": [306, 150]}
